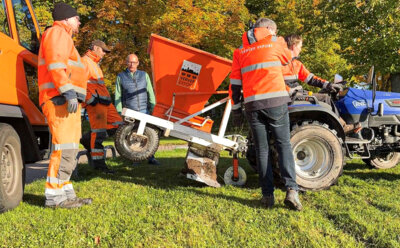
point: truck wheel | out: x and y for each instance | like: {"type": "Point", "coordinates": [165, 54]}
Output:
{"type": "Point", "coordinates": [11, 168]}
{"type": "Point", "coordinates": [384, 161]}
{"type": "Point", "coordinates": [136, 147]}
{"type": "Point", "coordinates": [318, 155]}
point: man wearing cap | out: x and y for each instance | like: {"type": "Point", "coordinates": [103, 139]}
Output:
{"type": "Point", "coordinates": [62, 87]}
{"type": "Point", "coordinates": [133, 90]}
{"type": "Point", "coordinates": [103, 117]}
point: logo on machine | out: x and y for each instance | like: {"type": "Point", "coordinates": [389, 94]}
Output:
{"type": "Point", "coordinates": [359, 104]}
{"type": "Point", "coordinates": [188, 75]}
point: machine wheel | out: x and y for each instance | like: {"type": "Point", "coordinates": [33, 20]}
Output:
{"type": "Point", "coordinates": [384, 161]}
{"type": "Point", "coordinates": [228, 177]}
{"type": "Point", "coordinates": [11, 168]}
{"type": "Point", "coordinates": [318, 155]}
{"type": "Point", "coordinates": [136, 147]}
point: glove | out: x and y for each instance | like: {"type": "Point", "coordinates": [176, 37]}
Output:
{"type": "Point", "coordinates": [294, 90]}
{"type": "Point", "coordinates": [237, 117]}
{"type": "Point", "coordinates": [72, 105]}
{"type": "Point", "coordinates": [334, 88]}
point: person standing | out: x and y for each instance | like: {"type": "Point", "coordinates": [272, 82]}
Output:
{"type": "Point", "coordinates": [257, 70]}
{"type": "Point", "coordinates": [133, 90]}
{"type": "Point", "coordinates": [62, 87]}
{"type": "Point", "coordinates": [103, 116]}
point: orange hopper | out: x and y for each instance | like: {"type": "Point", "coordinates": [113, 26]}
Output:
{"type": "Point", "coordinates": [184, 79]}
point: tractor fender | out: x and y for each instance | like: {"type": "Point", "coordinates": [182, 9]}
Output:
{"type": "Point", "coordinates": [316, 113]}
{"type": "Point", "coordinates": [16, 117]}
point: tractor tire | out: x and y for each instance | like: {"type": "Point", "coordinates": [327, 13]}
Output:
{"type": "Point", "coordinates": [11, 168]}
{"type": "Point", "coordinates": [386, 161]}
{"type": "Point", "coordinates": [318, 155]}
{"type": "Point", "coordinates": [133, 146]}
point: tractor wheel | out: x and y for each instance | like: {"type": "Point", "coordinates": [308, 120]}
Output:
{"type": "Point", "coordinates": [318, 155]}
{"type": "Point", "coordinates": [11, 168]}
{"type": "Point", "coordinates": [384, 161]}
{"type": "Point", "coordinates": [136, 147]}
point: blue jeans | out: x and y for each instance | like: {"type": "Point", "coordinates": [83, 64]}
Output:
{"type": "Point", "coordinates": [263, 123]}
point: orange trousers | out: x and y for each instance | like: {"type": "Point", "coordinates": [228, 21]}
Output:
{"type": "Point", "coordinates": [101, 119]}
{"type": "Point", "coordinates": [65, 129]}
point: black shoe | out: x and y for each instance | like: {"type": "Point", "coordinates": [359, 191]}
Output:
{"type": "Point", "coordinates": [292, 200]}
{"type": "Point", "coordinates": [105, 170]}
{"type": "Point", "coordinates": [154, 161]}
{"type": "Point", "coordinates": [268, 201]}
{"type": "Point", "coordinates": [69, 203]}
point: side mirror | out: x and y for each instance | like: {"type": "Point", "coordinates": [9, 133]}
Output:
{"type": "Point", "coordinates": [380, 109]}
{"type": "Point", "coordinates": [371, 75]}
{"type": "Point", "coordinates": [337, 79]}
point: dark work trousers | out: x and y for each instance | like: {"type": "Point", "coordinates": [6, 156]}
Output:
{"type": "Point", "coordinates": [263, 123]}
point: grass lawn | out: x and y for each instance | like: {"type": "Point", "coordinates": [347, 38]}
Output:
{"type": "Point", "coordinates": [150, 206]}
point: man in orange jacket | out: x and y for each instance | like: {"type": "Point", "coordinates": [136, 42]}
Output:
{"type": "Point", "coordinates": [62, 86]}
{"type": "Point", "coordinates": [257, 70]}
{"type": "Point", "coordinates": [103, 116]}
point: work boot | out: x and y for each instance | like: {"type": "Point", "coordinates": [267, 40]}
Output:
{"type": "Point", "coordinates": [153, 161]}
{"type": "Point", "coordinates": [292, 200]}
{"type": "Point", "coordinates": [84, 201]}
{"type": "Point", "coordinates": [268, 201]}
{"type": "Point", "coordinates": [100, 165]}
{"type": "Point", "coordinates": [69, 203]}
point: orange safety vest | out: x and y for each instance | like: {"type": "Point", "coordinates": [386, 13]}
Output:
{"type": "Point", "coordinates": [60, 67]}
{"type": "Point", "coordinates": [295, 71]}
{"type": "Point", "coordinates": [96, 89]}
{"type": "Point", "coordinates": [257, 69]}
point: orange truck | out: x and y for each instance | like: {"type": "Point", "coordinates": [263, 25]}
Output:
{"type": "Point", "coordinates": [24, 134]}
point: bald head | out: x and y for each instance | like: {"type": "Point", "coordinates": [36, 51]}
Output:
{"type": "Point", "coordinates": [132, 62]}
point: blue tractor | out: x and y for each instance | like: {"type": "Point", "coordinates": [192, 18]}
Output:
{"type": "Point", "coordinates": [320, 142]}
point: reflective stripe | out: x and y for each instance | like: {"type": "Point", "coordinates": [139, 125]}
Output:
{"type": "Point", "coordinates": [291, 77]}
{"type": "Point", "coordinates": [41, 61]}
{"type": "Point", "coordinates": [266, 96]}
{"type": "Point", "coordinates": [310, 76]}
{"type": "Point", "coordinates": [325, 85]}
{"type": "Point", "coordinates": [97, 150]}
{"type": "Point", "coordinates": [260, 66]}
{"type": "Point", "coordinates": [55, 180]}
{"type": "Point", "coordinates": [236, 81]}
{"type": "Point", "coordinates": [44, 86]}
{"type": "Point", "coordinates": [117, 123]}
{"type": "Point", "coordinates": [76, 63]}
{"type": "Point", "coordinates": [102, 130]}
{"type": "Point", "coordinates": [60, 191]}
{"type": "Point", "coordinates": [57, 65]}
{"type": "Point", "coordinates": [274, 38]}
{"type": "Point", "coordinates": [67, 87]}
{"type": "Point", "coordinates": [57, 147]}
{"type": "Point", "coordinates": [237, 106]}
{"type": "Point", "coordinates": [99, 81]}
{"type": "Point", "coordinates": [90, 100]}
{"type": "Point", "coordinates": [97, 157]}
{"type": "Point", "coordinates": [105, 98]}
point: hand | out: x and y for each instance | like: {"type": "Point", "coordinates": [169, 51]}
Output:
{"type": "Point", "coordinates": [72, 105]}
{"type": "Point", "coordinates": [294, 90]}
{"type": "Point", "coordinates": [334, 88]}
{"type": "Point", "coordinates": [237, 117]}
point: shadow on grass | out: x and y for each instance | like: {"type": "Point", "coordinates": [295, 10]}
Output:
{"type": "Point", "coordinates": [35, 200]}
{"type": "Point", "coordinates": [363, 172]}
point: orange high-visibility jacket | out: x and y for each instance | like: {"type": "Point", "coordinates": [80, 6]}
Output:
{"type": "Point", "coordinates": [257, 69]}
{"type": "Point", "coordinates": [61, 71]}
{"type": "Point", "coordinates": [295, 71]}
{"type": "Point", "coordinates": [96, 89]}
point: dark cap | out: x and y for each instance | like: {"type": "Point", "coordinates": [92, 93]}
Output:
{"type": "Point", "coordinates": [101, 44]}
{"type": "Point", "coordinates": [63, 11]}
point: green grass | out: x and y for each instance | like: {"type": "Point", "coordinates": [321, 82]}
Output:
{"type": "Point", "coordinates": [150, 206]}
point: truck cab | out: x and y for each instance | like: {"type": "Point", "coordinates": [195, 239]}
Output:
{"type": "Point", "coordinates": [24, 134]}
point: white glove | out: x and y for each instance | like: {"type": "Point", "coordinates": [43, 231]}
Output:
{"type": "Point", "coordinates": [294, 90]}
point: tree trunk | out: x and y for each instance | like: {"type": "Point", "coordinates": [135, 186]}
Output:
{"type": "Point", "coordinates": [395, 82]}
